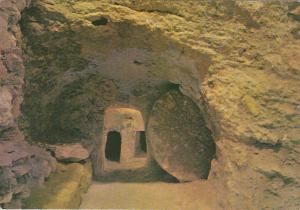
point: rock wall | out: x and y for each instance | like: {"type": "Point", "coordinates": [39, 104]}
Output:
{"type": "Point", "coordinates": [21, 165]}
{"type": "Point", "coordinates": [11, 68]}
{"type": "Point", "coordinates": [21, 168]}
{"type": "Point", "coordinates": [238, 60]}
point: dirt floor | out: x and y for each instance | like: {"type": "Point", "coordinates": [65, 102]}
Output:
{"type": "Point", "coordinates": [150, 195]}
{"type": "Point", "coordinates": [147, 188]}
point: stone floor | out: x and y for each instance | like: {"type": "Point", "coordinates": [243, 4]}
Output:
{"type": "Point", "coordinates": [151, 195]}
{"type": "Point", "coordinates": [134, 163]}
{"type": "Point", "coordinates": [135, 185]}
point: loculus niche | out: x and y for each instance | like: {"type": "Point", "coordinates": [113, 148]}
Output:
{"type": "Point", "coordinates": [124, 143]}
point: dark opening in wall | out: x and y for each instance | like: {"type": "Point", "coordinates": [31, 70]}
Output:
{"type": "Point", "coordinates": [113, 146]}
{"type": "Point", "coordinates": [141, 143]}
{"type": "Point", "coordinates": [100, 22]}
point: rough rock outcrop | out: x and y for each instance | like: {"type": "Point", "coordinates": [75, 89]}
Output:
{"type": "Point", "coordinates": [21, 166]}
{"type": "Point", "coordinates": [238, 60]}
{"type": "Point", "coordinates": [178, 138]}
{"type": "Point", "coordinates": [71, 153]}
{"type": "Point", "coordinates": [295, 11]}
{"type": "Point", "coordinates": [11, 68]}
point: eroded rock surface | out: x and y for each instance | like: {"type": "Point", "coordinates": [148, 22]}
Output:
{"type": "Point", "coordinates": [238, 60]}
{"type": "Point", "coordinates": [11, 68]}
{"type": "Point", "coordinates": [21, 167]}
{"type": "Point", "coordinates": [71, 153]}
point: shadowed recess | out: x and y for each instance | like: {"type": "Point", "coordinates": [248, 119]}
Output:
{"type": "Point", "coordinates": [113, 146]}
{"type": "Point", "coordinates": [100, 22]}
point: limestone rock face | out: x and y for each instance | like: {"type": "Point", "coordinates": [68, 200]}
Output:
{"type": "Point", "coordinates": [178, 138]}
{"type": "Point", "coordinates": [238, 60]}
{"type": "Point", "coordinates": [6, 117]}
{"type": "Point", "coordinates": [11, 68]}
{"type": "Point", "coordinates": [295, 12]}
{"type": "Point", "coordinates": [21, 167]}
{"type": "Point", "coordinates": [71, 153]}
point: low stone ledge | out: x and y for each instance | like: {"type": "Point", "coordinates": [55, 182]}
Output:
{"type": "Point", "coordinates": [63, 189]}
{"type": "Point", "coordinates": [70, 152]}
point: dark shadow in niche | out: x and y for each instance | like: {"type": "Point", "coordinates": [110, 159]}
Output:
{"type": "Point", "coordinates": [137, 62]}
{"type": "Point", "coordinates": [113, 146]}
{"type": "Point", "coordinates": [140, 175]}
{"type": "Point", "coordinates": [141, 144]}
{"type": "Point", "coordinates": [100, 22]}
{"type": "Point", "coordinates": [151, 173]}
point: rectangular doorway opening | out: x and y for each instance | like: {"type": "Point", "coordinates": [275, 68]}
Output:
{"type": "Point", "coordinates": [141, 143]}
{"type": "Point", "coordinates": [113, 146]}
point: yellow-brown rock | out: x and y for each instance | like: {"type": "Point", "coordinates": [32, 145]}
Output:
{"type": "Point", "coordinates": [64, 188]}
{"type": "Point", "coordinates": [238, 60]}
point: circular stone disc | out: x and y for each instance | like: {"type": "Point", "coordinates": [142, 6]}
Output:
{"type": "Point", "coordinates": [178, 138]}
